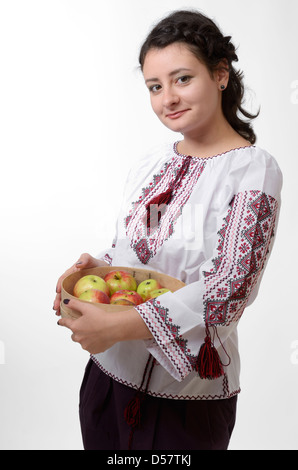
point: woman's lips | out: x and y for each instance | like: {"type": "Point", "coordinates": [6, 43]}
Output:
{"type": "Point", "coordinates": [177, 114]}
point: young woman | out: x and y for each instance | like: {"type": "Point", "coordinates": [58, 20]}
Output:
{"type": "Point", "coordinates": [165, 375]}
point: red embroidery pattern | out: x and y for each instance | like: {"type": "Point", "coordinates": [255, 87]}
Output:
{"type": "Point", "coordinates": [167, 335]}
{"type": "Point", "coordinates": [243, 246]}
{"type": "Point", "coordinates": [225, 390]}
{"type": "Point", "coordinates": [107, 258]}
{"type": "Point", "coordinates": [146, 246]}
{"type": "Point", "coordinates": [244, 241]}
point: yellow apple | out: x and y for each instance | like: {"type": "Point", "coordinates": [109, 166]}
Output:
{"type": "Point", "coordinates": [146, 287]}
{"type": "Point", "coordinates": [90, 282]}
{"type": "Point", "coordinates": [95, 296]}
{"type": "Point", "coordinates": [158, 292]}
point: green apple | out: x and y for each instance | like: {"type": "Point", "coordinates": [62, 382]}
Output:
{"type": "Point", "coordinates": [90, 282]}
{"type": "Point", "coordinates": [146, 287]}
{"type": "Point", "coordinates": [158, 292]}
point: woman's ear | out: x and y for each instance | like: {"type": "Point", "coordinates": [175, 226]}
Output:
{"type": "Point", "coordinates": [221, 74]}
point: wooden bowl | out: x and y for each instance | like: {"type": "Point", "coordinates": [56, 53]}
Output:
{"type": "Point", "coordinates": [140, 275]}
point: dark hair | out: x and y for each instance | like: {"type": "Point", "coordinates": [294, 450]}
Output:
{"type": "Point", "coordinates": [206, 41]}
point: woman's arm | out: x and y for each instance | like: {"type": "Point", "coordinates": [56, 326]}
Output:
{"type": "Point", "coordinates": [97, 330]}
{"type": "Point", "coordinates": [229, 279]}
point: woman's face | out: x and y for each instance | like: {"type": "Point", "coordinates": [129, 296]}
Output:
{"type": "Point", "coordinates": [183, 94]}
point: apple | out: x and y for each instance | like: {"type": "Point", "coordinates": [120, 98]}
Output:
{"type": "Point", "coordinates": [123, 302]}
{"type": "Point", "coordinates": [119, 280]}
{"type": "Point", "coordinates": [126, 297]}
{"type": "Point", "coordinates": [90, 282]}
{"type": "Point", "coordinates": [146, 287]}
{"type": "Point", "coordinates": [158, 292]}
{"type": "Point", "coordinates": [95, 295]}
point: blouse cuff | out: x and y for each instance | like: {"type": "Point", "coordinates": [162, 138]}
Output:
{"type": "Point", "coordinates": [165, 345]}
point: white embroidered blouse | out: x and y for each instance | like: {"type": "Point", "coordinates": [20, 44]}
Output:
{"type": "Point", "coordinates": [215, 235]}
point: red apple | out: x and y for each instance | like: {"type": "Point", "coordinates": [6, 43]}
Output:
{"type": "Point", "coordinates": [146, 287]}
{"type": "Point", "coordinates": [158, 292]}
{"type": "Point", "coordinates": [123, 296]}
{"type": "Point", "coordinates": [90, 282]}
{"type": "Point", "coordinates": [95, 295]}
{"type": "Point", "coordinates": [119, 280]}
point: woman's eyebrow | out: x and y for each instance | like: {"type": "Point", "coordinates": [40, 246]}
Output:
{"type": "Point", "coordinates": [174, 72]}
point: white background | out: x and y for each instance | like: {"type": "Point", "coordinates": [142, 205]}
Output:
{"type": "Point", "coordinates": [74, 115]}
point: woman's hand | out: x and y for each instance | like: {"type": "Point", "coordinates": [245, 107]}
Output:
{"type": "Point", "coordinates": [85, 261]}
{"type": "Point", "coordinates": [97, 330]}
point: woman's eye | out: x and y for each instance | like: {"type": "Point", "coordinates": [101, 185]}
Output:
{"type": "Point", "coordinates": [184, 79]}
{"type": "Point", "coordinates": [154, 88]}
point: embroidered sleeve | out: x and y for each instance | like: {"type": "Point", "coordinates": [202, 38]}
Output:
{"type": "Point", "coordinates": [178, 321]}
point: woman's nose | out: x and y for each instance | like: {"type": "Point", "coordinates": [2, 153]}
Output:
{"type": "Point", "coordinates": [170, 97]}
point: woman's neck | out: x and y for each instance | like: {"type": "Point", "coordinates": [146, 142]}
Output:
{"type": "Point", "coordinates": [212, 142]}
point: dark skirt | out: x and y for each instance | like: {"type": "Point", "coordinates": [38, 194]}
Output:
{"type": "Point", "coordinates": [165, 424]}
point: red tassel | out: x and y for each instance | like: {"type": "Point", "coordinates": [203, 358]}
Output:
{"type": "Point", "coordinates": [132, 415]}
{"type": "Point", "coordinates": [132, 412]}
{"type": "Point", "coordinates": [209, 365]}
{"type": "Point", "coordinates": [155, 207]}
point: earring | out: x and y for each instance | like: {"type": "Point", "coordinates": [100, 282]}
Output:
{"type": "Point", "coordinates": [222, 87]}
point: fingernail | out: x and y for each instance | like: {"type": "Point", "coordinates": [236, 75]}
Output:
{"type": "Point", "coordinates": [65, 301]}
{"type": "Point", "coordinates": [79, 262]}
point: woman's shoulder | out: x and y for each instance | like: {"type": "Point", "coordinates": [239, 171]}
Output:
{"type": "Point", "coordinates": [254, 168]}
{"type": "Point", "coordinates": [154, 155]}
{"type": "Point", "coordinates": [148, 162]}
{"type": "Point", "coordinates": [263, 154]}
{"type": "Point", "coordinates": [259, 157]}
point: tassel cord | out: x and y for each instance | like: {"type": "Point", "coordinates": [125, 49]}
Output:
{"type": "Point", "coordinates": [132, 412]}
{"type": "Point", "coordinates": [229, 359]}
